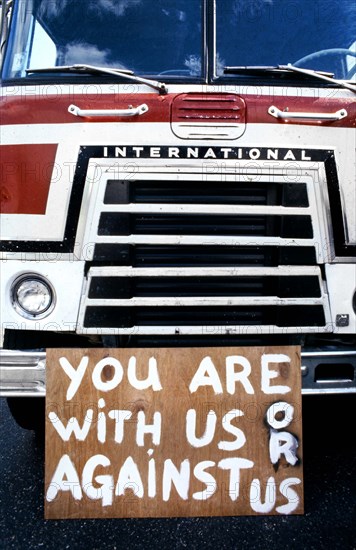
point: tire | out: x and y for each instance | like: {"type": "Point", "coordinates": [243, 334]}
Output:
{"type": "Point", "coordinates": [29, 413]}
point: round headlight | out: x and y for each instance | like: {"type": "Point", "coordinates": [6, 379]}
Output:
{"type": "Point", "coordinates": [32, 296]}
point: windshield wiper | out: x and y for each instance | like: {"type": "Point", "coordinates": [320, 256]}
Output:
{"type": "Point", "coordinates": [91, 69]}
{"type": "Point", "coordinates": [285, 69]}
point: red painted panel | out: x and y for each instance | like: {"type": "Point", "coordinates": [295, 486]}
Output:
{"type": "Point", "coordinates": [53, 109]}
{"type": "Point", "coordinates": [257, 110]}
{"type": "Point", "coordinates": [25, 172]}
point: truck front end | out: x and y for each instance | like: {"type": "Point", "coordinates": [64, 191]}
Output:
{"type": "Point", "coordinates": [178, 173]}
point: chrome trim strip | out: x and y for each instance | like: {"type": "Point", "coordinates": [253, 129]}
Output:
{"type": "Point", "coordinates": [23, 373]}
{"type": "Point", "coordinates": [203, 240]}
{"type": "Point", "coordinates": [206, 209]}
{"type": "Point", "coordinates": [126, 271]}
{"type": "Point", "coordinates": [130, 111]}
{"type": "Point", "coordinates": [205, 301]}
{"type": "Point", "coordinates": [288, 115]}
{"type": "Point", "coordinates": [328, 353]}
{"type": "Point", "coordinates": [219, 330]}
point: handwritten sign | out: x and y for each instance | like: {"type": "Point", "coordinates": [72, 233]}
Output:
{"type": "Point", "coordinates": [173, 432]}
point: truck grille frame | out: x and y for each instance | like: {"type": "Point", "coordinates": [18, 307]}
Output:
{"type": "Point", "coordinates": [156, 227]}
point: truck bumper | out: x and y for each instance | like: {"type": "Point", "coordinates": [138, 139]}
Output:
{"type": "Point", "coordinates": [23, 373]}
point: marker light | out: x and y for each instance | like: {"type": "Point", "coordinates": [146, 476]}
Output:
{"type": "Point", "coordinates": [32, 296]}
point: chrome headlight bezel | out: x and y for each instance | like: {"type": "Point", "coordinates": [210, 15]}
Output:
{"type": "Point", "coordinates": [36, 287]}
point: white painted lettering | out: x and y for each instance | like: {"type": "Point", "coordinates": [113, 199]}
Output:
{"type": "Point", "coordinates": [254, 154]}
{"type": "Point", "coordinates": [76, 375]}
{"type": "Point", "coordinates": [143, 428]}
{"type": "Point", "coordinates": [180, 479]}
{"type": "Point", "coordinates": [289, 494]}
{"type": "Point", "coordinates": [242, 376]}
{"type": "Point", "coordinates": [240, 438]}
{"type": "Point", "coordinates": [138, 151]}
{"type": "Point", "coordinates": [304, 156]}
{"type": "Point", "coordinates": [272, 154]}
{"type": "Point", "coordinates": [152, 485]}
{"type": "Point", "coordinates": [205, 477]}
{"type": "Point", "coordinates": [190, 429]}
{"type": "Point", "coordinates": [80, 433]}
{"type": "Point", "coordinates": [280, 407]}
{"type": "Point", "coordinates": [206, 375]}
{"type": "Point", "coordinates": [289, 155]}
{"type": "Point", "coordinates": [155, 152]}
{"type": "Point", "coordinates": [101, 424]}
{"type": "Point", "coordinates": [210, 154]}
{"type": "Point", "coordinates": [106, 482]}
{"type": "Point", "coordinates": [107, 363]}
{"type": "Point", "coordinates": [65, 478]}
{"type": "Point", "coordinates": [193, 152]}
{"type": "Point", "coordinates": [235, 465]}
{"type": "Point", "coordinates": [151, 381]}
{"type": "Point", "coordinates": [270, 496]}
{"type": "Point", "coordinates": [226, 151]}
{"type": "Point", "coordinates": [129, 478]}
{"type": "Point", "coordinates": [268, 374]}
{"type": "Point", "coordinates": [120, 152]}
{"type": "Point", "coordinates": [173, 152]}
{"type": "Point", "coordinates": [119, 416]}
{"type": "Point", "coordinates": [283, 443]}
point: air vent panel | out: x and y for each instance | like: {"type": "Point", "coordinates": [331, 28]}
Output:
{"type": "Point", "coordinates": [209, 116]}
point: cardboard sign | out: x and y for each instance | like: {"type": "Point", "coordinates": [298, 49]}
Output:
{"type": "Point", "coordinates": [173, 432]}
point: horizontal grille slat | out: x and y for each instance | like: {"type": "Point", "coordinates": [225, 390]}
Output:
{"type": "Point", "coordinates": [112, 223]}
{"type": "Point", "coordinates": [112, 317]}
{"type": "Point", "coordinates": [128, 287]}
{"type": "Point", "coordinates": [204, 256]}
{"type": "Point", "coordinates": [193, 192]}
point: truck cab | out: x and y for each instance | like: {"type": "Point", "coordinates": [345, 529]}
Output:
{"type": "Point", "coordinates": [177, 173]}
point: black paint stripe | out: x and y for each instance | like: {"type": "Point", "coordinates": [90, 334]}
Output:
{"type": "Point", "coordinates": [87, 152]}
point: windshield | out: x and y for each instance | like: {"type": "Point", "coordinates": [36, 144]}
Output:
{"type": "Point", "coordinates": [165, 38]}
{"type": "Point", "coordinates": [312, 34]}
{"type": "Point", "coordinates": [160, 37]}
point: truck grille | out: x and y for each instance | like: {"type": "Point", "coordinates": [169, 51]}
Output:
{"type": "Point", "coordinates": [179, 255]}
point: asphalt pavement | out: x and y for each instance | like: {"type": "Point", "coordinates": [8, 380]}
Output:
{"type": "Point", "coordinates": [329, 496]}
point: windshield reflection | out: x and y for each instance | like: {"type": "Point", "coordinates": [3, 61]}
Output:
{"type": "Point", "coordinates": [164, 38]}
{"type": "Point", "coordinates": [160, 37]}
{"type": "Point", "coordinates": [317, 34]}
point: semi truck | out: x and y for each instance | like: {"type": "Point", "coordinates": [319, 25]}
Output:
{"type": "Point", "coordinates": [177, 173]}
